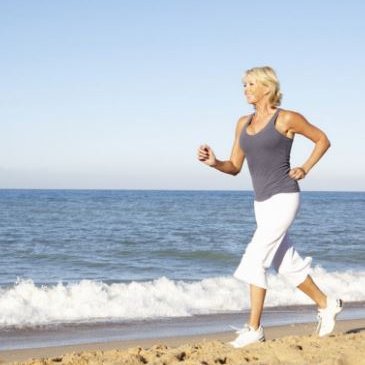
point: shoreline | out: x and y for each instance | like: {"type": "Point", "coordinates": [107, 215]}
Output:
{"type": "Point", "coordinates": [56, 335]}
{"type": "Point", "coordinates": [299, 331]}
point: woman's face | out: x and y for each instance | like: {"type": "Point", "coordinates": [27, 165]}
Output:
{"type": "Point", "coordinates": [254, 90]}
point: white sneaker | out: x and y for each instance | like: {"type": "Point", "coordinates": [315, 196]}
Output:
{"type": "Point", "coordinates": [327, 316]}
{"type": "Point", "coordinates": [248, 335]}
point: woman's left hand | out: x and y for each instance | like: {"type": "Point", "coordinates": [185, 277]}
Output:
{"type": "Point", "coordinates": [297, 173]}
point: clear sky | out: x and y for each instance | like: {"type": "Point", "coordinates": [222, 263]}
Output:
{"type": "Point", "coordinates": [120, 94]}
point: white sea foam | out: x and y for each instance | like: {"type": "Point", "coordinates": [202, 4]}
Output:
{"type": "Point", "coordinates": [28, 304]}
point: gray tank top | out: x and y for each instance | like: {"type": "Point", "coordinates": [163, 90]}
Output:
{"type": "Point", "coordinates": [268, 157]}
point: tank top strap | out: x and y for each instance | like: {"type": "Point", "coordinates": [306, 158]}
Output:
{"type": "Point", "coordinates": [244, 129]}
{"type": "Point", "coordinates": [275, 116]}
{"type": "Point", "coordinates": [271, 123]}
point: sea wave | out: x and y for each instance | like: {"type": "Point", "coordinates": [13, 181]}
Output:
{"type": "Point", "coordinates": [28, 304]}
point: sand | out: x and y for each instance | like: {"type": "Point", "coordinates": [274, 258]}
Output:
{"type": "Point", "coordinates": [287, 345]}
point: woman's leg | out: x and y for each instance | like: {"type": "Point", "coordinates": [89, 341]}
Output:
{"type": "Point", "coordinates": [274, 216]}
{"type": "Point", "coordinates": [309, 287]}
{"type": "Point", "coordinates": [328, 308]}
{"type": "Point", "coordinates": [252, 332]}
{"type": "Point", "coordinates": [257, 296]}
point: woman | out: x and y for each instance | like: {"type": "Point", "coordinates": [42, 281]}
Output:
{"type": "Point", "coordinates": [265, 138]}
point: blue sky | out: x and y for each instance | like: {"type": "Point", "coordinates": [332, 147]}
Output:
{"type": "Point", "coordinates": [119, 94]}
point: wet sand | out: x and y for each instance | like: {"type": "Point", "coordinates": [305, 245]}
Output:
{"type": "Point", "coordinates": [289, 344]}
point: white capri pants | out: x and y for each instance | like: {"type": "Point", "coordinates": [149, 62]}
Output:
{"type": "Point", "coordinates": [270, 244]}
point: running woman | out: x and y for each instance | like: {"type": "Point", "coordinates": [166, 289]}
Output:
{"type": "Point", "coordinates": [265, 139]}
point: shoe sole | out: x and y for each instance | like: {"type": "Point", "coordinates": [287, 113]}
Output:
{"type": "Point", "coordinates": [262, 339]}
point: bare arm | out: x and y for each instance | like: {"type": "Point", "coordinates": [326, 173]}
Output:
{"type": "Point", "coordinates": [298, 124]}
{"type": "Point", "coordinates": [232, 166]}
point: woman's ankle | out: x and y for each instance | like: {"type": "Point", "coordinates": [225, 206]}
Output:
{"type": "Point", "coordinates": [255, 326]}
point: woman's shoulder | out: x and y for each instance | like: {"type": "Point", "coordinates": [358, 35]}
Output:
{"type": "Point", "coordinates": [289, 121]}
{"type": "Point", "coordinates": [244, 119]}
{"type": "Point", "coordinates": [287, 114]}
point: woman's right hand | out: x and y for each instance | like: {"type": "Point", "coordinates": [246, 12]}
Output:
{"type": "Point", "coordinates": [206, 155]}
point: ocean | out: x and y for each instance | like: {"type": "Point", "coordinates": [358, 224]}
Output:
{"type": "Point", "coordinates": [117, 260]}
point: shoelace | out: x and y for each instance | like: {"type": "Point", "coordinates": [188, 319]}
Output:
{"type": "Point", "coordinates": [240, 330]}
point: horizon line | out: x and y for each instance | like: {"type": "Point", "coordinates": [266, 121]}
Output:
{"type": "Point", "coordinates": [168, 189]}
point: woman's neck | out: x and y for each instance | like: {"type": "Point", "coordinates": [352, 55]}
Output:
{"type": "Point", "coordinates": [263, 110]}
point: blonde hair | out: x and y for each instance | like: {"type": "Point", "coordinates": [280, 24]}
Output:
{"type": "Point", "coordinates": [267, 76]}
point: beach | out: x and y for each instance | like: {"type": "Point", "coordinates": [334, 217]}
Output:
{"type": "Point", "coordinates": [132, 277]}
{"type": "Point", "coordinates": [289, 344]}
{"type": "Point", "coordinates": [161, 160]}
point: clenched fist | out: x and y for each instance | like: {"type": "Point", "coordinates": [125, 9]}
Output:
{"type": "Point", "coordinates": [206, 155]}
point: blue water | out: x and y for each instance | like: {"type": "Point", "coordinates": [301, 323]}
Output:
{"type": "Point", "coordinates": [119, 236]}
{"type": "Point", "coordinates": [72, 256]}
